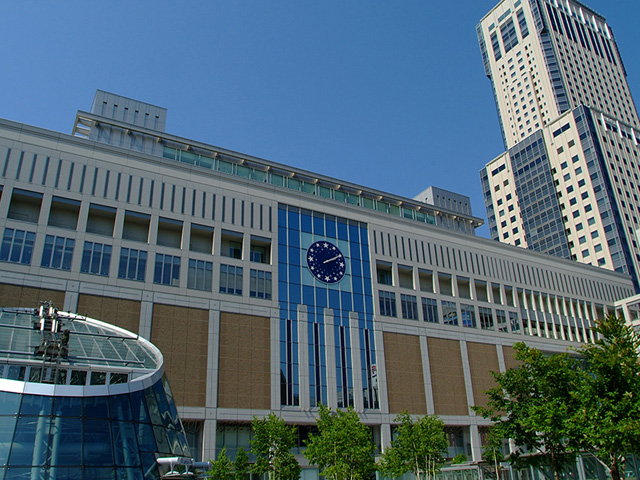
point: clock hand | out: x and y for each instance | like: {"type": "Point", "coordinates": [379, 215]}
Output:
{"type": "Point", "coordinates": [332, 259]}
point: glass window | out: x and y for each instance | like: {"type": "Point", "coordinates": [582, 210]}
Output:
{"type": "Point", "coordinates": [97, 446]}
{"type": "Point", "coordinates": [96, 258]}
{"type": "Point", "coordinates": [167, 270]}
{"type": "Point", "coordinates": [17, 246]}
{"type": "Point", "coordinates": [260, 284]}
{"type": "Point", "coordinates": [199, 275]}
{"type": "Point", "coordinates": [515, 322]}
{"type": "Point", "coordinates": [231, 279]}
{"type": "Point", "coordinates": [387, 304]}
{"type": "Point", "coordinates": [501, 316]}
{"type": "Point", "coordinates": [57, 252]}
{"type": "Point", "coordinates": [430, 310]}
{"type": "Point", "coordinates": [409, 306]}
{"type": "Point", "coordinates": [486, 318]}
{"type": "Point", "coordinates": [384, 274]}
{"type": "Point", "coordinates": [449, 313]}
{"type": "Point", "coordinates": [133, 264]}
{"type": "Point", "coordinates": [468, 315]}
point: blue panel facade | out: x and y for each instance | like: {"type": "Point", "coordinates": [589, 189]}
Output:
{"type": "Point", "coordinates": [298, 229]}
{"type": "Point", "coordinates": [541, 214]}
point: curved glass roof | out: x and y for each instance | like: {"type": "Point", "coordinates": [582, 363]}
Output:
{"type": "Point", "coordinates": [73, 343]}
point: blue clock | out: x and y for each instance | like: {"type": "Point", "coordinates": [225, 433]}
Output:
{"type": "Point", "coordinates": [326, 262]}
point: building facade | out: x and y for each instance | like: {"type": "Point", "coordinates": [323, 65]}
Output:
{"type": "Point", "coordinates": [81, 399]}
{"type": "Point", "coordinates": [270, 288]}
{"type": "Point", "coordinates": [568, 183]}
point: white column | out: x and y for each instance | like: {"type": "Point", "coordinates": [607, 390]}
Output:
{"type": "Point", "coordinates": [275, 360]}
{"type": "Point", "coordinates": [426, 373]}
{"type": "Point", "coordinates": [354, 333]}
{"type": "Point", "coordinates": [303, 357]}
{"type": "Point", "coordinates": [213, 366]}
{"type": "Point", "coordinates": [146, 315]}
{"type": "Point", "coordinates": [330, 349]}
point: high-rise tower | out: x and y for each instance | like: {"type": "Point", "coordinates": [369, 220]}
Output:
{"type": "Point", "coordinates": [568, 182]}
{"type": "Point", "coordinates": [547, 57]}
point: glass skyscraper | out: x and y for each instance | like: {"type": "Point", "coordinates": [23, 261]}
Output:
{"type": "Point", "coordinates": [568, 183]}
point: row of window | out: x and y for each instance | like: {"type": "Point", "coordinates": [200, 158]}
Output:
{"type": "Point", "coordinates": [502, 320]}
{"type": "Point", "coordinates": [17, 247]}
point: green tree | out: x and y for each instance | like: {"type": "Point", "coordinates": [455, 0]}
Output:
{"type": "Point", "coordinates": [343, 447]}
{"type": "Point", "coordinates": [241, 465]}
{"type": "Point", "coordinates": [534, 405]}
{"type": "Point", "coordinates": [272, 442]}
{"type": "Point", "coordinates": [493, 449]}
{"type": "Point", "coordinates": [610, 394]}
{"type": "Point", "coordinates": [417, 447]}
{"type": "Point", "coordinates": [221, 467]}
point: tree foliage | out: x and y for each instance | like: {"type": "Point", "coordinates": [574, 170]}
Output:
{"type": "Point", "coordinates": [241, 465]}
{"type": "Point", "coordinates": [418, 448]}
{"type": "Point", "coordinates": [272, 442]}
{"type": "Point", "coordinates": [343, 447]}
{"type": "Point", "coordinates": [493, 450]}
{"type": "Point", "coordinates": [610, 394]}
{"type": "Point", "coordinates": [534, 405]}
{"type": "Point", "coordinates": [221, 467]}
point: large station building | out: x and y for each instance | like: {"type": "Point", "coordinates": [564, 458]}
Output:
{"type": "Point", "coordinates": [270, 288]}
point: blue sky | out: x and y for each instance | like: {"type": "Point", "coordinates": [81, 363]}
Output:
{"type": "Point", "coordinates": [388, 94]}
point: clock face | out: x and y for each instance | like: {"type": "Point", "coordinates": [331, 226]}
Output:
{"type": "Point", "coordinates": [326, 262]}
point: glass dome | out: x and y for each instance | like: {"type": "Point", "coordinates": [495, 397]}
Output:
{"type": "Point", "coordinates": [81, 399]}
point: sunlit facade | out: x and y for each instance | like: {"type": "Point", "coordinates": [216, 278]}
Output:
{"type": "Point", "coordinates": [568, 183]}
{"type": "Point", "coordinates": [270, 288]}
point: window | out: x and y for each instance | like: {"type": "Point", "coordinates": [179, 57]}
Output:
{"type": "Point", "coordinates": [64, 213]}
{"type": "Point", "coordinates": [449, 313]}
{"type": "Point", "coordinates": [17, 246]}
{"type": "Point", "coordinates": [199, 275]}
{"type": "Point", "coordinates": [260, 250]}
{"type": "Point", "coordinates": [57, 252]}
{"type": "Point", "coordinates": [501, 317]}
{"type": "Point", "coordinates": [167, 270]}
{"type": "Point", "coordinates": [101, 220]}
{"type": "Point", "coordinates": [387, 304]}
{"type": "Point", "coordinates": [231, 245]}
{"type": "Point", "coordinates": [136, 226]}
{"type": "Point", "coordinates": [201, 239]}
{"type": "Point", "coordinates": [96, 258]}
{"type": "Point", "coordinates": [405, 276]}
{"type": "Point", "coordinates": [384, 274]}
{"type": "Point", "coordinates": [169, 232]}
{"type": "Point", "coordinates": [231, 279]}
{"type": "Point", "coordinates": [486, 318]}
{"type": "Point", "coordinates": [133, 264]}
{"type": "Point", "coordinates": [515, 322]}
{"type": "Point", "coordinates": [426, 280]}
{"type": "Point", "coordinates": [444, 282]}
{"type": "Point", "coordinates": [468, 315]}
{"type": "Point", "coordinates": [430, 310]}
{"type": "Point", "coordinates": [260, 284]}
{"type": "Point", "coordinates": [25, 206]}
{"type": "Point", "coordinates": [409, 307]}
